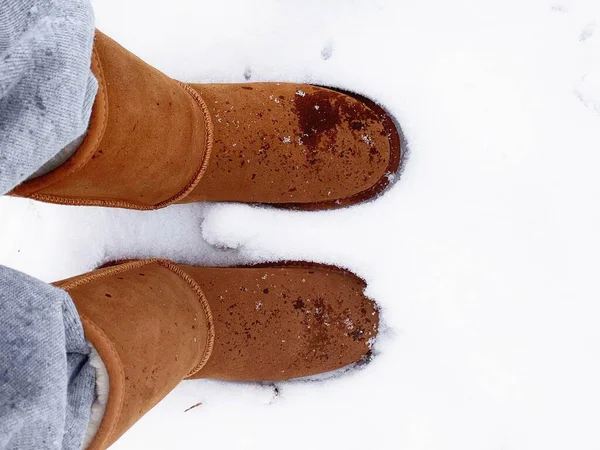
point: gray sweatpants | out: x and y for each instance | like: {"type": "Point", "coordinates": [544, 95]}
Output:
{"type": "Point", "coordinates": [47, 384]}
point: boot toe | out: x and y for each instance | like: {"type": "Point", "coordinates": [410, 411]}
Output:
{"type": "Point", "coordinates": [296, 145]}
{"type": "Point", "coordinates": [281, 322]}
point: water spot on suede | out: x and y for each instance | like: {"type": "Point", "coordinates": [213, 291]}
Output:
{"type": "Point", "coordinates": [318, 116]}
{"type": "Point", "coordinates": [299, 304]}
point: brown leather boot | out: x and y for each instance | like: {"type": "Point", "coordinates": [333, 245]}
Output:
{"type": "Point", "coordinates": [153, 141]}
{"type": "Point", "coordinates": [155, 323]}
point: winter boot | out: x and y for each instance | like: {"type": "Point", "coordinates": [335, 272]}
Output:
{"type": "Point", "coordinates": [155, 323]}
{"type": "Point", "coordinates": [153, 141]}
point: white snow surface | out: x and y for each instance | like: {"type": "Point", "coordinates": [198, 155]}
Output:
{"type": "Point", "coordinates": [484, 257]}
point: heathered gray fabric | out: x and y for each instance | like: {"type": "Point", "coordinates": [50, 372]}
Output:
{"type": "Point", "coordinates": [47, 385]}
{"type": "Point", "coordinates": [46, 87]}
{"type": "Point", "coordinates": [59, 158]}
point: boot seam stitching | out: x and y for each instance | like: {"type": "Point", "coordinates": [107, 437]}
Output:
{"type": "Point", "coordinates": [80, 281]}
{"type": "Point", "coordinates": [208, 146]}
{"type": "Point", "coordinates": [210, 337]}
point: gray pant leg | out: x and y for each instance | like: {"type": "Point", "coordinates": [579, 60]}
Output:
{"type": "Point", "coordinates": [46, 87]}
{"type": "Point", "coordinates": [47, 385]}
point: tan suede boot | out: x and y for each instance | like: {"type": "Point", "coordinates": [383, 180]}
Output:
{"type": "Point", "coordinates": [155, 323]}
{"type": "Point", "coordinates": [153, 141]}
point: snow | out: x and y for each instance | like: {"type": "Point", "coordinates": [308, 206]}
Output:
{"type": "Point", "coordinates": [483, 257]}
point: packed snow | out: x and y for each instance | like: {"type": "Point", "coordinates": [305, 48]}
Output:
{"type": "Point", "coordinates": [483, 256]}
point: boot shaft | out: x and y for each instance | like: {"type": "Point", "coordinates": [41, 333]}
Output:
{"type": "Point", "coordinates": [152, 327]}
{"type": "Point", "coordinates": [147, 145]}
